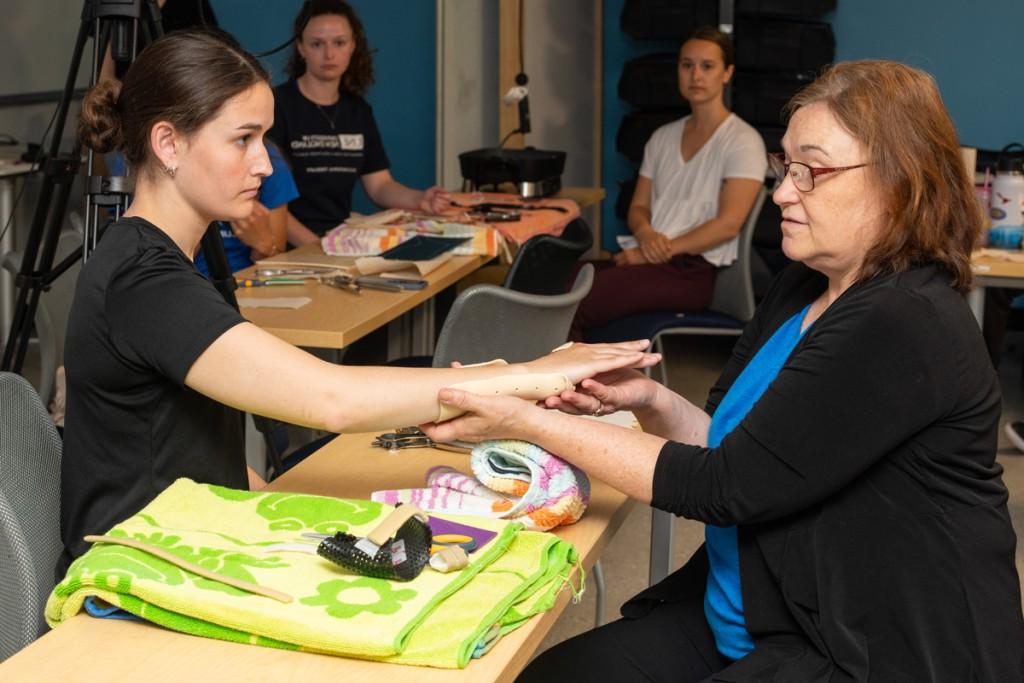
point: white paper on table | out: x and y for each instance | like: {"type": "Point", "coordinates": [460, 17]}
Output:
{"type": "Point", "coordinates": [275, 302]}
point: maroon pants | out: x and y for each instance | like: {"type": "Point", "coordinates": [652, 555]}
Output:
{"type": "Point", "coordinates": [682, 285]}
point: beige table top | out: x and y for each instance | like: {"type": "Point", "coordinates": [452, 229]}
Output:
{"type": "Point", "coordinates": [88, 649]}
{"type": "Point", "coordinates": [989, 268]}
{"type": "Point", "coordinates": [335, 318]}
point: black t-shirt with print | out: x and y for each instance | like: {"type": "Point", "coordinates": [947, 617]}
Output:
{"type": "Point", "coordinates": [329, 148]}
{"type": "Point", "coordinates": [142, 315]}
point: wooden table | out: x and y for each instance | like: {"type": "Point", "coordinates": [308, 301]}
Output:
{"type": "Point", "coordinates": [88, 649]}
{"type": "Point", "coordinates": [335, 318]}
{"type": "Point", "coordinates": [990, 271]}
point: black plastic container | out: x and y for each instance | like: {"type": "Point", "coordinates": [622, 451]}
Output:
{"type": "Point", "coordinates": [651, 82]}
{"type": "Point", "coordinates": [769, 45]}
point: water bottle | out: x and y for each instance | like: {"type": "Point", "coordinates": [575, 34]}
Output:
{"type": "Point", "coordinates": [1007, 200]}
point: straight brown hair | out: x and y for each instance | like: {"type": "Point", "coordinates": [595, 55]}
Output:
{"type": "Point", "coordinates": [895, 111]}
{"type": "Point", "coordinates": [183, 78]}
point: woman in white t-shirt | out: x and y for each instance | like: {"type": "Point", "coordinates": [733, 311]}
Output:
{"type": "Point", "coordinates": [699, 178]}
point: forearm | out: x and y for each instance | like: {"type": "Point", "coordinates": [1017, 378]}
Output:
{"type": "Point", "coordinates": [391, 194]}
{"type": "Point", "coordinates": [638, 219]}
{"type": "Point", "coordinates": [297, 233]}
{"type": "Point", "coordinates": [705, 236]}
{"type": "Point", "coordinates": [276, 237]}
{"type": "Point", "coordinates": [673, 418]}
{"type": "Point", "coordinates": [253, 371]}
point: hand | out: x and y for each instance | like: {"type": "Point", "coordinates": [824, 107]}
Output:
{"type": "Point", "coordinates": [655, 247]}
{"type": "Point", "coordinates": [255, 231]}
{"type": "Point", "coordinates": [486, 417]}
{"type": "Point", "coordinates": [606, 393]}
{"type": "Point", "coordinates": [435, 200]}
{"type": "Point", "coordinates": [580, 361]}
{"type": "Point", "coordinates": [629, 257]}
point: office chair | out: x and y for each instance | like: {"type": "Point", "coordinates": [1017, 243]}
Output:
{"type": "Point", "coordinates": [488, 322]}
{"type": "Point", "coordinates": [732, 306]}
{"type": "Point", "coordinates": [544, 264]}
{"type": "Point", "coordinates": [30, 452]}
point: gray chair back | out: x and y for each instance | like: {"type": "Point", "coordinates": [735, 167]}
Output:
{"type": "Point", "coordinates": [734, 286]}
{"type": "Point", "coordinates": [30, 451]}
{"type": "Point", "coordinates": [488, 322]}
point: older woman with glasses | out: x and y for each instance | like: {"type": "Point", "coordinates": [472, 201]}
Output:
{"type": "Point", "coordinates": [844, 464]}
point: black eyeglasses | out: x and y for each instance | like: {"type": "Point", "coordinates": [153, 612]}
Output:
{"type": "Point", "coordinates": [803, 175]}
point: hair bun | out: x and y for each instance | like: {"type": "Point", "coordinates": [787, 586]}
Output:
{"type": "Point", "coordinates": [99, 126]}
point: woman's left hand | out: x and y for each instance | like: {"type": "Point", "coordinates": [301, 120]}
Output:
{"type": "Point", "coordinates": [629, 257]}
{"type": "Point", "coordinates": [486, 417]}
{"type": "Point", "coordinates": [580, 361]}
{"type": "Point", "coordinates": [435, 200]}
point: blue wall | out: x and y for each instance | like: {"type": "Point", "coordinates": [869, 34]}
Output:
{"type": "Point", "coordinates": [403, 37]}
{"type": "Point", "coordinates": [974, 50]}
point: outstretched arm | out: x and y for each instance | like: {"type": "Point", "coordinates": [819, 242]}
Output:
{"type": "Point", "coordinates": [254, 371]}
{"type": "Point", "coordinates": [387, 192]}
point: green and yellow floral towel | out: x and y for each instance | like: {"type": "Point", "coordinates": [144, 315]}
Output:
{"type": "Point", "coordinates": [435, 620]}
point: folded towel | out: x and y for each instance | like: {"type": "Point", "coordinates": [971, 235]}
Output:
{"type": "Point", "coordinates": [514, 480]}
{"type": "Point", "coordinates": [334, 612]}
{"type": "Point", "coordinates": [346, 240]}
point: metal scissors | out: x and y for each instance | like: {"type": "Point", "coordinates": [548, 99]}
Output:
{"type": "Point", "coordinates": [403, 438]}
{"type": "Point", "coordinates": [292, 272]}
{"type": "Point", "coordinates": [354, 285]}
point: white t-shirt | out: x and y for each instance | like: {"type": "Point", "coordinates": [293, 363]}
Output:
{"type": "Point", "coordinates": [685, 194]}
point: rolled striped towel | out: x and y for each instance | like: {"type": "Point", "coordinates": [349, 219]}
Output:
{"type": "Point", "coordinates": [513, 480]}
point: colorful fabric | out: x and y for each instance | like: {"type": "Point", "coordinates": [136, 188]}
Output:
{"type": "Point", "coordinates": [532, 222]}
{"type": "Point", "coordinates": [434, 620]}
{"type": "Point", "coordinates": [346, 240]}
{"type": "Point", "coordinates": [514, 480]}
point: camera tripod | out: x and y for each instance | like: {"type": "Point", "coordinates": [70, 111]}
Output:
{"type": "Point", "coordinates": [122, 25]}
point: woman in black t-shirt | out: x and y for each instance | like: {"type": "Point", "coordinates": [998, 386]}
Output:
{"type": "Point", "coordinates": [157, 362]}
{"type": "Point", "coordinates": [327, 129]}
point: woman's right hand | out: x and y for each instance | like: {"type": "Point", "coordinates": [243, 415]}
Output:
{"type": "Point", "coordinates": [581, 361]}
{"type": "Point", "coordinates": [624, 389]}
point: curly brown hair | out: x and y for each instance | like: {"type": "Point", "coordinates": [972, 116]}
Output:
{"type": "Point", "coordinates": [895, 111]}
{"type": "Point", "coordinates": [358, 77]}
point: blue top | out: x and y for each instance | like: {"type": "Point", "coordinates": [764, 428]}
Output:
{"type": "Point", "coordinates": [723, 602]}
{"type": "Point", "coordinates": [276, 190]}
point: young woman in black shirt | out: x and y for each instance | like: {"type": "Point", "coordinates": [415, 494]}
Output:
{"type": "Point", "coordinates": [327, 129]}
{"type": "Point", "coordinates": [157, 362]}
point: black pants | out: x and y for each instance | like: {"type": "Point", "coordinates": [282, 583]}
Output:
{"type": "Point", "coordinates": [672, 642]}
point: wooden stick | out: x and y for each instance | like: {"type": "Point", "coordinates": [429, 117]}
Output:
{"type": "Point", "coordinates": [246, 586]}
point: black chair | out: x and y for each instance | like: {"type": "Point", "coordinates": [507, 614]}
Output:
{"type": "Point", "coordinates": [544, 265]}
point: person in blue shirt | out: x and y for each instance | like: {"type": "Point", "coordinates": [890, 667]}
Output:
{"type": "Point", "coordinates": [844, 464]}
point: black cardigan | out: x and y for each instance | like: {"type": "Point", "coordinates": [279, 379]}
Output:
{"type": "Point", "coordinates": [875, 543]}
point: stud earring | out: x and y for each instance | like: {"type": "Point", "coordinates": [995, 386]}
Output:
{"type": "Point", "coordinates": [170, 170]}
